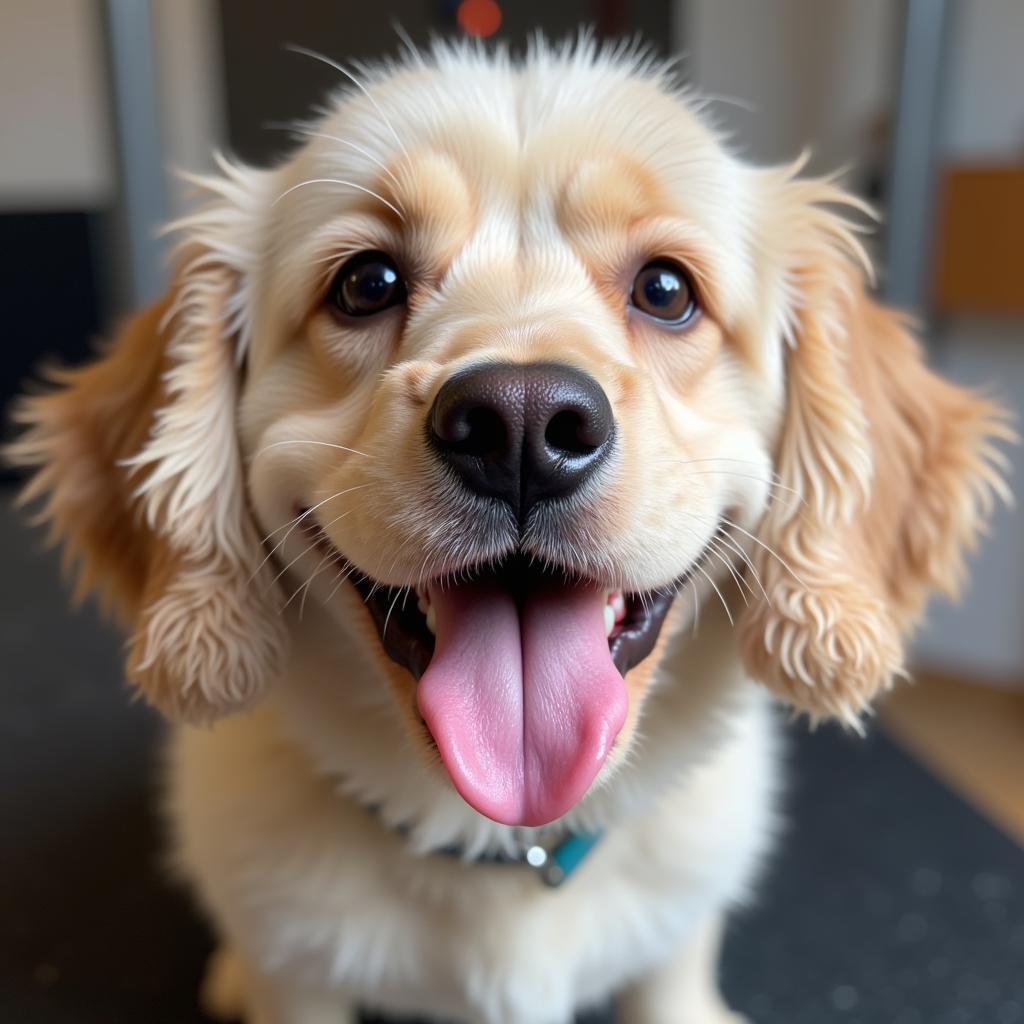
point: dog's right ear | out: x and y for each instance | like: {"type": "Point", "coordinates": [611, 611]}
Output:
{"type": "Point", "coordinates": [138, 473]}
{"type": "Point", "coordinates": [897, 471]}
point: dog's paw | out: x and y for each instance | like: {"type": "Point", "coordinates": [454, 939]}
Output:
{"type": "Point", "coordinates": [716, 1014]}
{"type": "Point", "coordinates": [222, 995]}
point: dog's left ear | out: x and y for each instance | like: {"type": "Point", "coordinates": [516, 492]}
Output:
{"type": "Point", "coordinates": [138, 470]}
{"type": "Point", "coordinates": [895, 466]}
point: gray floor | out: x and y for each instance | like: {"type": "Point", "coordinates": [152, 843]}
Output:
{"type": "Point", "coordinates": [890, 901]}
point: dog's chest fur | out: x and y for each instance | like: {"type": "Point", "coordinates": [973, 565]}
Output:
{"type": "Point", "coordinates": [308, 883]}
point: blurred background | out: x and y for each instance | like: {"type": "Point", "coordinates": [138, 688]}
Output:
{"type": "Point", "coordinates": [899, 896]}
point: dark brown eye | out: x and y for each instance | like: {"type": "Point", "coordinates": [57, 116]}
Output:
{"type": "Point", "coordinates": [662, 290]}
{"type": "Point", "coordinates": [367, 284]}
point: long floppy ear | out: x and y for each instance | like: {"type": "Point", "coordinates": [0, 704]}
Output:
{"type": "Point", "coordinates": [896, 468]}
{"type": "Point", "coordinates": [139, 475]}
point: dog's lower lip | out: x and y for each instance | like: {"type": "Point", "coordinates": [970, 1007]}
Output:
{"type": "Point", "coordinates": [407, 641]}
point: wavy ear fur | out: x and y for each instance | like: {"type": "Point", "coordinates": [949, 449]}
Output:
{"type": "Point", "coordinates": [896, 468]}
{"type": "Point", "coordinates": [139, 475]}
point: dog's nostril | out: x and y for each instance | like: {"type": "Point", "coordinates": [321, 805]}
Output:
{"type": "Point", "coordinates": [470, 428]}
{"type": "Point", "coordinates": [485, 432]}
{"type": "Point", "coordinates": [567, 433]}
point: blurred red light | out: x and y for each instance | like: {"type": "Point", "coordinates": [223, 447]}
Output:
{"type": "Point", "coordinates": [480, 18]}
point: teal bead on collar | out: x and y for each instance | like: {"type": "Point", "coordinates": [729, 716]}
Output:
{"type": "Point", "coordinates": [555, 864]}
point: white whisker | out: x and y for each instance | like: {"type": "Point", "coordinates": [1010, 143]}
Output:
{"type": "Point", "coordinates": [772, 480]}
{"type": "Point", "coordinates": [305, 551]}
{"type": "Point", "coordinates": [770, 484]}
{"type": "Point", "coordinates": [324, 444]}
{"type": "Point", "coordinates": [410, 46]}
{"type": "Point", "coordinates": [359, 85]}
{"type": "Point", "coordinates": [728, 613]}
{"type": "Point", "coordinates": [740, 582]}
{"type": "Point", "coordinates": [341, 579]}
{"type": "Point", "coordinates": [297, 129]}
{"type": "Point", "coordinates": [785, 565]}
{"type": "Point", "coordinates": [340, 181]}
{"type": "Point", "coordinates": [295, 522]}
{"type": "Point", "coordinates": [725, 539]}
{"type": "Point", "coordinates": [391, 608]}
{"type": "Point", "coordinates": [303, 587]}
{"type": "Point", "coordinates": [331, 556]}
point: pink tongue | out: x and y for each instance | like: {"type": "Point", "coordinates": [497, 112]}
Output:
{"type": "Point", "coordinates": [524, 702]}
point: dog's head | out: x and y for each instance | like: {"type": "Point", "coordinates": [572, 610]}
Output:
{"type": "Point", "coordinates": [497, 364]}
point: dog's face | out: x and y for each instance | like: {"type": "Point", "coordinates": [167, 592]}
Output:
{"type": "Point", "coordinates": [510, 344]}
{"type": "Point", "coordinates": [526, 352]}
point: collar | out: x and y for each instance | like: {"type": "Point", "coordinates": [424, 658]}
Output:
{"type": "Point", "coordinates": [553, 861]}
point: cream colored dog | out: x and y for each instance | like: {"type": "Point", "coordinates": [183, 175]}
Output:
{"type": "Point", "coordinates": [490, 452]}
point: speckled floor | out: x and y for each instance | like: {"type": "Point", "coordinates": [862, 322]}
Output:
{"type": "Point", "coordinates": [890, 901]}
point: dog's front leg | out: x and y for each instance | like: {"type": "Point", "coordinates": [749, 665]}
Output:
{"type": "Point", "coordinates": [232, 991]}
{"type": "Point", "coordinates": [685, 990]}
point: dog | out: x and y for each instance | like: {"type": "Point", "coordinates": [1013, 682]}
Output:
{"type": "Point", "coordinates": [492, 466]}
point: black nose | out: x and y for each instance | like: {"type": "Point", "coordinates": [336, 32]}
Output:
{"type": "Point", "coordinates": [522, 432]}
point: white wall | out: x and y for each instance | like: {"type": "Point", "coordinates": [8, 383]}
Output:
{"type": "Point", "coordinates": [54, 129]}
{"type": "Point", "coordinates": [56, 137]}
{"type": "Point", "coordinates": [192, 112]}
{"type": "Point", "coordinates": [812, 73]}
{"type": "Point", "coordinates": [985, 81]}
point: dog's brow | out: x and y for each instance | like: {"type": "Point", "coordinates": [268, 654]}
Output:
{"type": "Point", "coordinates": [610, 192]}
{"type": "Point", "coordinates": [434, 193]}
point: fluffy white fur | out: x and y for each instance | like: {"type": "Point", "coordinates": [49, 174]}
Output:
{"type": "Point", "coordinates": [328, 906]}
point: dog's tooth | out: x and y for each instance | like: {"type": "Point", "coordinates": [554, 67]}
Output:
{"type": "Point", "coordinates": [431, 620]}
{"type": "Point", "coordinates": [609, 620]}
{"type": "Point", "coordinates": [617, 602]}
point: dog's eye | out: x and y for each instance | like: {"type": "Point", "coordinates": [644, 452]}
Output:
{"type": "Point", "coordinates": [368, 283]}
{"type": "Point", "coordinates": [662, 290]}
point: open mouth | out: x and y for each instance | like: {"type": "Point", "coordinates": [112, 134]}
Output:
{"type": "Point", "coordinates": [520, 676]}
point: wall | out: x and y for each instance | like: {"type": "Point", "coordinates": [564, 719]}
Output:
{"type": "Point", "coordinates": [56, 135]}
{"type": "Point", "coordinates": [985, 83]}
{"type": "Point", "coordinates": [191, 84]}
{"type": "Point", "coordinates": [54, 132]}
{"type": "Point", "coordinates": [808, 73]}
